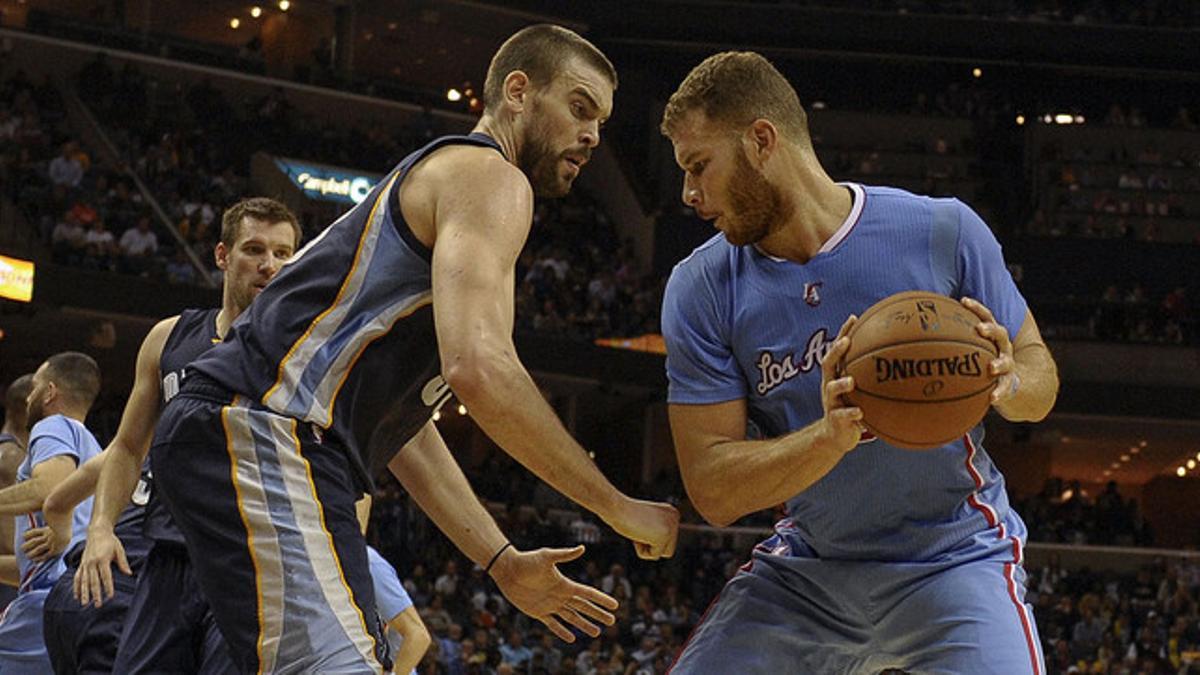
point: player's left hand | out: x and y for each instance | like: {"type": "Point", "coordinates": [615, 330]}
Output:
{"type": "Point", "coordinates": [44, 543]}
{"type": "Point", "coordinates": [1002, 367]}
{"type": "Point", "coordinates": [532, 583]}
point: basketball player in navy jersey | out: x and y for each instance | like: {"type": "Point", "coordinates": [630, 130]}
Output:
{"type": "Point", "coordinates": [167, 625]}
{"type": "Point", "coordinates": [340, 363]}
{"type": "Point", "coordinates": [888, 559]}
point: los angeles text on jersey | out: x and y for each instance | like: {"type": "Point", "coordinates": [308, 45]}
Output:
{"type": "Point", "coordinates": [772, 373]}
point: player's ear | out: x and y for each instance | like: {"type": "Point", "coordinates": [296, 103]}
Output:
{"type": "Point", "coordinates": [221, 255]}
{"type": "Point", "coordinates": [761, 140]}
{"type": "Point", "coordinates": [516, 90]}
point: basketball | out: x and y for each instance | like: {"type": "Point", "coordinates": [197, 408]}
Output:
{"type": "Point", "coordinates": [920, 369]}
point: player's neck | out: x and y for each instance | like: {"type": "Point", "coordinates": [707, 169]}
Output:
{"type": "Point", "coordinates": [504, 134]}
{"type": "Point", "coordinates": [814, 209]}
{"type": "Point", "coordinates": [13, 430]}
{"type": "Point", "coordinates": [77, 413]}
{"type": "Point", "coordinates": [225, 318]}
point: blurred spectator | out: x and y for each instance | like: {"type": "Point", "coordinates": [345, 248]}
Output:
{"type": "Point", "coordinates": [66, 169]}
{"type": "Point", "coordinates": [138, 245]}
{"type": "Point", "coordinates": [100, 248]}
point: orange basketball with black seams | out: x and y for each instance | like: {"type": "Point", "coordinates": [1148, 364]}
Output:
{"type": "Point", "coordinates": [920, 369]}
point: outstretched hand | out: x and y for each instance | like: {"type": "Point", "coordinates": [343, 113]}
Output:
{"type": "Point", "coordinates": [533, 584]}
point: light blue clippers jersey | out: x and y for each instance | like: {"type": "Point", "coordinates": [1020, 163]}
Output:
{"type": "Point", "coordinates": [53, 436]}
{"type": "Point", "coordinates": [743, 325]}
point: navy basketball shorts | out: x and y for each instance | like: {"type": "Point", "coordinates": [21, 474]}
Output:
{"type": "Point", "coordinates": [83, 639]}
{"type": "Point", "coordinates": [170, 628]}
{"type": "Point", "coordinates": [787, 611]}
{"type": "Point", "coordinates": [268, 515]}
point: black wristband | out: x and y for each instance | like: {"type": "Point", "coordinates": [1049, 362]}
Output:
{"type": "Point", "coordinates": [488, 569]}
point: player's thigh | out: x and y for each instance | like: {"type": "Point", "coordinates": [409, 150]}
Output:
{"type": "Point", "coordinates": [100, 633]}
{"type": "Point", "coordinates": [970, 618]}
{"type": "Point", "coordinates": [63, 621]}
{"type": "Point", "coordinates": [158, 631]}
{"type": "Point", "coordinates": [773, 619]}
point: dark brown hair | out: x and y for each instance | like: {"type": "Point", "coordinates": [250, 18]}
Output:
{"type": "Point", "coordinates": [259, 208]}
{"type": "Point", "coordinates": [76, 374]}
{"type": "Point", "coordinates": [540, 51]}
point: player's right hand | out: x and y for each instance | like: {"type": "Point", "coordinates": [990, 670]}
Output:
{"type": "Point", "coordinates": [651, 526]}
{"type": "Point", "coordinates": [44, 543]}
{"type": "Point", "coordinates": [843, 422]}
{"type": "Point", "coordinates": [94, 579]}
{"type": "Point", "coordinates": [532, 583]}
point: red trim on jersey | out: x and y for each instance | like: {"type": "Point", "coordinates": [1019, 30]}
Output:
{"type": "Point", "coordinates": [33, 568]}
{"type": "Point", "coordinates": [1010, 568]}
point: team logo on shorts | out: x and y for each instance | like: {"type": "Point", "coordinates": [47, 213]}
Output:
{"type": "Point", "coordinates": [811, 297]}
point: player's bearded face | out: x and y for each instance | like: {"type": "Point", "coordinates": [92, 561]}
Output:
{"type": "Point", "coordinates": [36, 409]}
{"type": "Point", "coordinates": [544, 165]}
{"type": "Point", "coordinates": [755, 204]}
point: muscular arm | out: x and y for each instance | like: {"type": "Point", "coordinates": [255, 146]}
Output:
{"type": "Point", "coordinates": [1037, 377]}
{"type": "Point", "coordinates": [59, 508]}
{"type": "Point", "coordinates": [727, 476]}
{"type": "Point", "coordinates": [120, 473]}
{"type": "Point", "coordinates": [77, 487]}
{"type": "Point", "coordinates": [27, 496]}
{"type": "Point", "coordinates": [434, 480]}
{"type": "Point", "coordinates": [480, 232]}
{"type": "Point", "coordinates": [10, 574]}
{"type": "Point", "coordinates": [529, 579]}
{"type": "Point", "coordinates": [415, 642]}
{"type": "Point", "coordinates": [122, 469]}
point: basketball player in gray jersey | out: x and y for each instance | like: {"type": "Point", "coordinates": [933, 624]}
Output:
{"type": "Point", "coordinates": [346, 356]}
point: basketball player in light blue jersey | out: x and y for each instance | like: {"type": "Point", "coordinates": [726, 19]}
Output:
{"type": "Point", "coordinates": [888, 558]}
{"type": "Point", "coordinates": [407, 634]}
{"type": "Point", "coordinates": [64, 388]}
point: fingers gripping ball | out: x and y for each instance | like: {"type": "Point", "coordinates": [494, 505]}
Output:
{"type": "Point", "coordinates": [920, 369]}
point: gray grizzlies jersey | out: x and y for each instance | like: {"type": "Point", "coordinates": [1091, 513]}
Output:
{"type": "Point", "coordinates": [343, 336]}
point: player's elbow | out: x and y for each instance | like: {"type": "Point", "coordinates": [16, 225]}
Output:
{"type": "Point", "coordinates": [421, 639]}
{"type": "Point", "coordinates": [711, 506]}
{"type": "Point", "coordinates": [476, 377]}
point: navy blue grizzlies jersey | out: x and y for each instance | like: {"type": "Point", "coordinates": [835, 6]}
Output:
{"type": "Point", "coordinates": [343, 337]}
{"type": "Point", "coordinates": [193, 334]}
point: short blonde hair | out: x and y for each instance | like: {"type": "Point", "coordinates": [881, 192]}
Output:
{"type": "Point", "coordinates": [734, 89]}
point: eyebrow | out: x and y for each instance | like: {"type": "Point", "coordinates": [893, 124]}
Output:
{"type": "Point", "coordinates": [588, 95]}
{"type": "Point", "coordinates": [689, 158]}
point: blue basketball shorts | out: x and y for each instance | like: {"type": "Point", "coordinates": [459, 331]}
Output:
{"type": "Point", "coordinates": [787, 611]}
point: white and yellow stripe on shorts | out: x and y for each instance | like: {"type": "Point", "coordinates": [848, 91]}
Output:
{"type": "Point", "coordinates": [307, 618]}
